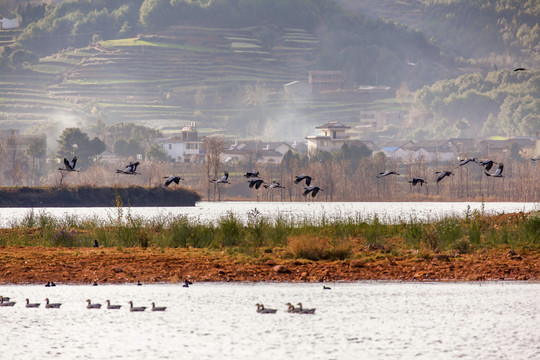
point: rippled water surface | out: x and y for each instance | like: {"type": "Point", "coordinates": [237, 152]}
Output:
{"type": "Point", "coordinates": [366, 320]}
{"type": "Point", "coordinates": [212, 211]}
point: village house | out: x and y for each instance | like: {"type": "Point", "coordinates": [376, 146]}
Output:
{"type": "Point", "coordinates": [6, 23]}
{"type": "Point", "coordinates": [379, 119]}
{"type": "Point", "coordinates": [185, 147]}
{"type": "Point", "coordinates": [13, 140]}
{"type": "Point", "coordinates": [322, 81]}
{"type": "Point", "coordinates": [332, 138]}
{"type": "Point", "coordinates": [255, 152]}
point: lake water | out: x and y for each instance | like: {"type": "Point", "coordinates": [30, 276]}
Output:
{"type": "Point", "coordinates": [212, 211]}
{"type": "Point", "coordinates": [365, 320]}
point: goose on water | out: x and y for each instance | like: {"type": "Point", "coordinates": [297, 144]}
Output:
{"type": "Point", "coordinates": [31, 305]}
{"type": "Point", "coordinates": [305, 311]}
{"type": "Point", "coordinates": [187, 283]}
{"type": "Point", "coordinates": [92, 306]}
{"type": "Point", "coordinates": [158, 308]}
{"type": "Point", "coordinates": [112, 307]}
{"type": "Point", "coordinates": [262, 310]}
{"type": "Point", "coordinates": [51, 305]}
{"type": "Point", "coordinates": [136, 308]}
{"type": "Point", "coordinates": [291, 308]}
{"type": "Point", "coordinates": [7, 302]}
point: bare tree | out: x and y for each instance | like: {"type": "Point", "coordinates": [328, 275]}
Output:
{"type": "Point", "coordinates": [214, 146]}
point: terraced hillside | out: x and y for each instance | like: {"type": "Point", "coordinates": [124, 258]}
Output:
{"type": "Point", "coordinates": [217, 77]}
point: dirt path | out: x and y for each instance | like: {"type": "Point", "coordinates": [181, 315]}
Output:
{"type": "Point", "coordinates": [23, 265]}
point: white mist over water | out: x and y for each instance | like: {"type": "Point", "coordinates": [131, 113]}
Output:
{"type": "Point", "coordinates": [364, 320]}
{"type": "Point", "coordinates": [206, 212]}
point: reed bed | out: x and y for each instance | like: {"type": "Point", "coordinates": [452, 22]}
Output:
{"type": "Point", "coordinates": [320, 239]}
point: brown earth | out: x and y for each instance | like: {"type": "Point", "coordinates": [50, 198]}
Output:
{"type": "Point", "coordinates": [26, 265]}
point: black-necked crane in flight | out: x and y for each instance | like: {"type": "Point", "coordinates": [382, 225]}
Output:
{"type": "Point", "coordinates": [465, 162]}
{"type": "Point", "coordinates": [487, 164]}
{"type": "Point", "coordinates": [386, 173]}
{"type": "Point", "coordinates": [274, 185]}
{"type": "Point", "coordinates": [223, 180]}
{"type": "Point", "coordinates": [172, 179]}
{"type": "Point", "coordinates": [443, 174]}
{"type": "Point", "coordinates": [255, 182]}
{"type": "Point", "coordinates": [417, 180]}
{"type": "Point", "coordinates": [497, 173]}
{"type": "Point", "coordinates": [69, 165]}
{"type": "Point", "coordinates": [131, 169]}
{"type": "Point", "coordinates": [302, 177]}
{"type": "Point", "coordinates": [313, 190]}
{"type": "Point", "coordinates": [252, 174]}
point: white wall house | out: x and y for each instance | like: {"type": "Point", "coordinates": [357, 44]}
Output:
{"type": "Point", "coordinates": [332, 138]}
{"type": "Point", "coordinates": [185, 147]}
{"type": "Point", "coordinates": [6, 23]}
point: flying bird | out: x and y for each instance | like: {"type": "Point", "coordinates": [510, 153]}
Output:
{"type": "Point", "coordinates": [497, 173]}
{"type": "Point", "coordinates": [520, 69]}
{"type": "Point", "coordinates": [255, 182]}
{"type": "Point", "coordinates": [487, 164]}
{"type": "Point", "coordinates": [131, 169]}
{"type": "Point", "coordinates": [386, 173]}
{"type": "Point", "coordinates": [416, 180]}
{"type": "Point", "coordinates": [253, 174]}
{"type": "Point", "coordinates": [223, 180]}
{"type": "Point", "coordinates": [69, 166]}
{"type": "Point", "coordinates": [443, 174]}
{"type": "Point", "coordinates": [313, 190]}
{"type": "Point", "coordinates": [172, 179]}
{"type": "Point", "coordinates": [274, 185]}
{"type": "Point", "coordinates": [465, 162]}
{"type": "Point", "coordinates": [537, 159]}
{"type": "Point", "coordinates": [299, 178]}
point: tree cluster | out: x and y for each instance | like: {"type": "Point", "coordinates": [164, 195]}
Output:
{"type": "Point", "coordinates": [500, 103]}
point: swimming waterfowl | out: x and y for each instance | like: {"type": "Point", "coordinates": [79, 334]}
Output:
{"type": "Point", "coordinates": [187, 283]}
{"type": "Point", "coordinates": [291, 308]}
{"type": "Point", "coordinates": [6, 303]}
{"type": "Point", "coordinates": [158, 308]}
{"type": "Point", "coordinates": [112, 307]}
{"type": "Point", "coordinates": [92, 306]}
{"type": "Point", "coordinates": [31, 305]}
{"type": "Point", "coordinates": [326, 287]}
{"type": "Point", "coordinates": [51, 305]}
{"type": "Point", "coordinates": [305, 311]}
{"type": "Point", "coordinates": [262, 310]}
{"type": "Point", "coordinates": [136, 308]}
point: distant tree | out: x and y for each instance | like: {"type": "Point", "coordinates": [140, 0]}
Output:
{"type": "Point", "coordinates": [157, 154]}
{"type": "Point", "coordinates": [75, 142]}
{"type": "Point", "coordinates": [213, 146]}
{"type": "Point", "coordinates": [37, 150]}
{"type": "Point", "coordinates": [16, 160]}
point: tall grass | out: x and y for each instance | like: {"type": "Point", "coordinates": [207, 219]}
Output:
{"type": "Point", "coordinates": [303, 238]}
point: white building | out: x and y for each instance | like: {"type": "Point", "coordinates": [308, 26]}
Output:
{"type": "Point", "coordinates": [185, 147]}
{"type": "Point", "coordinates": [332, 138]}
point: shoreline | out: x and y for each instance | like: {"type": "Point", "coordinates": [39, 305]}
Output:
{"type": "Point", "coordinates": [78, 266]}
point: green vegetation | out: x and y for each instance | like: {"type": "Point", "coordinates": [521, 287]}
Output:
{"type": "Point", "coordinates": [304, 238]}
{"type": "Point", "coordinates": [500, 103]}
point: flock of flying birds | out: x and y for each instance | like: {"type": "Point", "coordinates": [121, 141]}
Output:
{"type": "Point", "coordinates": [486, 164]}
{"type": "Point", "coordinates": [255, 181]}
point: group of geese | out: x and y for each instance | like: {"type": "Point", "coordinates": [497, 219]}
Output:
{"type": "Point", "coordinates": [486, 164]}
{"type": "Point", "coordinates": [254, 181]}
{"type": "Point", "coordinates": [290, 309]}
{"type": "Point", "coordinates": [5, 302]}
